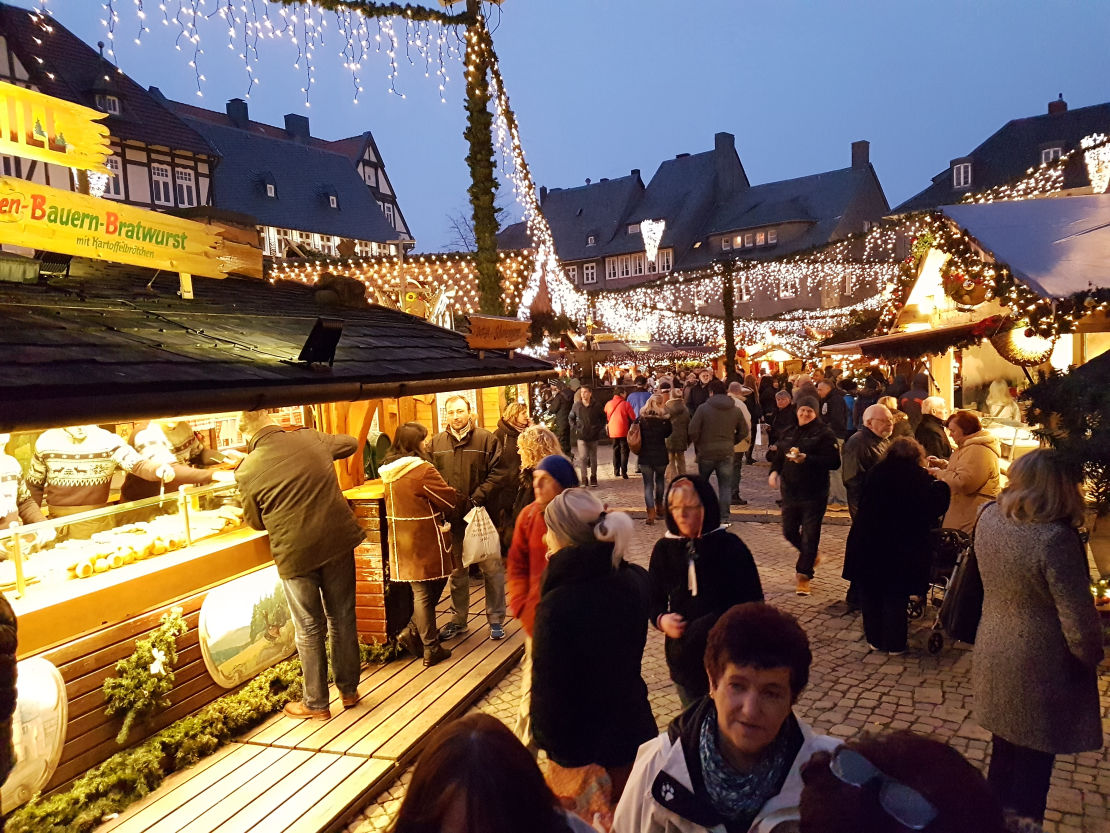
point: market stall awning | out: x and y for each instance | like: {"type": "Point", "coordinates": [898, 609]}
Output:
{"type": "Point", "coordinates": [916, 343]}
{"type": "Point", "coordinates": [114, 347]}
{"type": "Point", "coordinates": [1057, 247]}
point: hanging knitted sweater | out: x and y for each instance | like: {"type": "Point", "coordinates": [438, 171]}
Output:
{"type": "Point", "coordinates": [16, 503]}
{"type": "Point", "coordinates": [74, 466]}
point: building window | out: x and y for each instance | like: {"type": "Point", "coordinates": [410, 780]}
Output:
{"type": "Point", "coordinates": [726, 244]}
{"type": "Point", "coordinates": [772, 236]}
{"type": "Point", "coordinates": [788, 286]}
{"type": "Point", "coordinates": [961, 175]}
{"type": "Point", "coordinates": [625, 266]}
{"type": "Point", "coordinates": [638, 264]}
{"type": "Point", "coordinates": [611, 268]}
{"type": "Point", "coordinates": [572, 274]}
{"type": "Point", "coordinates": [749, 240]}
{"type": "Point", "coordinates": [589, 273]}
{"type": "Point", "coordinates": [591, 240]}
{"type": "Point", "coordinates": [333, 201]}
{"type": "Point", "coordinates": [186, 190]}
{"type": "Point", "coordinates": [742, 291]}
{"type": "Point", "coordinates": [761, 238]}
{"type": "Point", "coordinates": [108, 104]}
{"type": "Point", "coordinates": [633, 228]}
{"type": "Point", "coordinates": [389, 214]}
{"type": "Point", "coordinates": [113, 189]}
{"type": "Point", "coordinates": [1050, 155]}
{"type": "Point", "coordinates": [663, 260]}
{"type": "Point", "coordinates": [162, 185]}
{"type": "Point", "coordinates": [271, 192]}
{"type": "Point", "coordinates": [371, 176]}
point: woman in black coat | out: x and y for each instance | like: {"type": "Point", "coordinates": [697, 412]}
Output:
{"type": "Point", "coordinates": [890, 544]}
{"type": "Point", "coordinates": [655, 427]}
{"type": "Point", "coordinates": [589, 702]}
{"type": "Point", "coordinates": [698, 571]}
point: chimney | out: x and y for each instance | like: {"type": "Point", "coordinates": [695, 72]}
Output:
{"type": "Point", "coordinates": [543, 194]}
{"type": "Point", "coordinates": [861, 154]}
{"type": "Point", "coordinates": [726, 167]}
{"type": "Point", "coordinates": [237, 112]}
{"type": "Point", "coordinates": [296, 127]}
{"type": "Point", "coordinates": [1058, 106]}
{"type": "Point", "coordinates": [636, 173]}
{"type": "Point", "coordinates": [588, 180]}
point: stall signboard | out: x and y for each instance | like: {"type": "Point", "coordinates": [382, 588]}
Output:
{"type": "Point", "coordinates": [491, 332]}
{"type": "Point", "coordinates": [47, 129]}
{"type": "Point", "coordinates": [41, 217]}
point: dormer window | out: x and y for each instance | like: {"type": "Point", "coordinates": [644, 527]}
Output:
{"type": "Point", "coordinates": [269, 185]}
{"type": "Point", "coordinates": [108, 103]}
{"type": "Point", "coordinates": [1050, 154]}
{"type": "Point", "coordinates": [333, 202]}
{"type": "Point", "coordinates": [271, 192]}
{"type": "Point", "coordinates": [961, 175]}
{"type": "Point", "coordinates": [331, 196]}
{"type": "Point", "coordinates": [633, 228]}
{"type": "Point", "coordinates": [591, 240]}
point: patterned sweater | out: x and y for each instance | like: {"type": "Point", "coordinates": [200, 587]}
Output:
{"type": "Point", "coordinates": [16, 503]}
{"type": "Point", "coordinates": [78, 472]}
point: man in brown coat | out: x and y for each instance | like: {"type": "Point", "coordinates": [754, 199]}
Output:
{"type": "Point", "coordinates": [289, 488]}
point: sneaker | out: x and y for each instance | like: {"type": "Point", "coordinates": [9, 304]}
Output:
{"type": "Point", "coordinates": [873, 648]}
{"type": "Point", "coordinates": [451, 630]}
{"type": "Point", "coordinates": [803, 585]}
{"type": "Point", "coordinates": [437, 653]}
{"type": "Point", "coordinates": [299, 711]}
{"type": "Point", "coordinates": [895, 653]}
{"type": "Point", "coordinates": [496, 632]}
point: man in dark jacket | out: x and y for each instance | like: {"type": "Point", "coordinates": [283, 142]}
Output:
{"type": "Point", "coordinates": [470, 460]}
{"type": "Point", "coordinates": [801, 466]}
{"type": "Point", "coordinates": [931, 430]}
{"type": "Point", "coordinates": [863, 450]}
{"type": "Point", "coordinates": [717, 426]}
{"type": "Point", "coordinates": [834, 413]}
{"type": "Point", "coordinates": [288, 487]}
{"type": "Point", "coordinates": [910, 401]}
{"type": "Point", "coordinates": [558, 410]}
{"type": "Point", "coordinates": [698, 393]}
{"type": "Point", "coordinates": [587, 419]}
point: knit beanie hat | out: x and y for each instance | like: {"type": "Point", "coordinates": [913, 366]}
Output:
{"type": "Point", "coordinates": [808, 401]}
{"type": "Point", "coordinates": [561, 470]}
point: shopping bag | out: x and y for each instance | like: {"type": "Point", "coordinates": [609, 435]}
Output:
{"type": "Point", "coordinates": [963, 600]}
{"type": "Point", "coordinates": [634, 439]}
{"type": "Point", "coordinates": [758, 434]}
{"type": "Point", "coordinates": [480, 541]}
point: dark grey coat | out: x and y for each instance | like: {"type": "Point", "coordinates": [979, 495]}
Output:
{"type": "Point", "coordinates": [1039, 643]}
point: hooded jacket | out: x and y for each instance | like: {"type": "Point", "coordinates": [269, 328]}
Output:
{"type": "Point", "coordinates": [972, 475]}
{"type": "Point", "coordinates": [809, 479]}
{"type": "Point", "coordinates": [589, 702]}
{"type": "Point", "coordinates": [717, 427]}
{"type": "Point", "coordinates": [930, 433]}
{"type": "Point", "coordinates": [417, 502]}
{"type": "Point", "coordinates": [679, 440]}
{"type": "Point", "coordinates": [289, 488]}
{"type": "Point", "coordinates": [666, 792]}
{"type": "Point", "coordinates": [725, 575]}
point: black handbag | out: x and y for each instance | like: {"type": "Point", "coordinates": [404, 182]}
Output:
{"type": "Point", "coordinates": [963, 600]}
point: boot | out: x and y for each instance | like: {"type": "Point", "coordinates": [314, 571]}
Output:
{"type": "Point", "coordinates": [437, 653]}
{"type": "Point", "coordinates": [803, 584]}
{"type": "Point", "coordinates": [410, 642]}
{"type": "Point", "coordinates": [650, 516]}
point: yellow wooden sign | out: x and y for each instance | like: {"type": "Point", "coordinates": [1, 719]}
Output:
{"type": "Point", "coordinates": [38, 126]}
{"type": "Point", "coordinates": [491, 332]}
{"type": "Point", "coordinates": [41, 217]}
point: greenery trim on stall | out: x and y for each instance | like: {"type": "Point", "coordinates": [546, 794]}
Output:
{"type": "Point", "coordinates": [145, 678]}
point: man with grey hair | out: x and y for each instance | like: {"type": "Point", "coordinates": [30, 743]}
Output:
{"type": "Point", "coordinates": [863, 450]}
{"type": "Point", "coordinates": [288, 487]}
{"type": "Point", "coordinates": [737, 392]}
{"type": "Point", "coordinates": [469, 459]}
{"type": "Point", "coordinates": [930, 430]}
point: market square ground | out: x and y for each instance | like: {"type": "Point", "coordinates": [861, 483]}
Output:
{"type": "Point", "coordinates": [850, 689]}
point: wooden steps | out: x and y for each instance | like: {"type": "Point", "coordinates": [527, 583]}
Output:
{"type": "Point", "coordinates": [304, 776]}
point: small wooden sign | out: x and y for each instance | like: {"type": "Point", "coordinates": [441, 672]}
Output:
{"type": "Point", "coordinates": [491, 332]}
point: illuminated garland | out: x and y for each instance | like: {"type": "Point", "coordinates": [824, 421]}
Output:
{"type": "Point", "coordinates": [1096, 153]}
{"type": "Point", "coordinates": [1048, 177]}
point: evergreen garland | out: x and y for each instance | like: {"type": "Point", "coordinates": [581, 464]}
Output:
{"type": "Point", "coordinates": [146, 677]}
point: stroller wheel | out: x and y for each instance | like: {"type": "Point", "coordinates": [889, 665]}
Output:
{"type": "Point", "coordinates": [915, 608]}
{"type": "Point", "coordinates": [936, 642]}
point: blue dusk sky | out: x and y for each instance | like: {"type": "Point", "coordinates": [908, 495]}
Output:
{"type": "Point", "coordinates": [603, 86]}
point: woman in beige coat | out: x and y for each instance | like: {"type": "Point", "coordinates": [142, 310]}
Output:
{"type": "Point", "coordinates": [417, 499]}
{"type": "Point", "coordinates": [971, 473]}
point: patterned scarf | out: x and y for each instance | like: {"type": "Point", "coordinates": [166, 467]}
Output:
{"type": "Point", "coordinates": [738, 796]}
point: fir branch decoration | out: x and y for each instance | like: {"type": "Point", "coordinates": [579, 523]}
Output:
{"type": "Point", "coordinates": [146, 677]}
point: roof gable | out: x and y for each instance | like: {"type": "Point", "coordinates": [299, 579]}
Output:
{"type": "Point", "coordinates": [597, 210]}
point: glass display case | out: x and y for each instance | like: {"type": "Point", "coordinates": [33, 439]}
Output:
{"type": "Point", "coordinates": [114, 541]}
{"type": "Point", "coordinates": [1014, 437]}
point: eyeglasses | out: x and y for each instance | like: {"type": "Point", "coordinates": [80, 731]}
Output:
{"type": "Point", "coordinates": [904, 804]}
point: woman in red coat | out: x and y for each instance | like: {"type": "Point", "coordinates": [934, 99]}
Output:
{"type": "Point", "coordinates": [619, 415]}
{"type": "Point", "coordinates": [527, 561]}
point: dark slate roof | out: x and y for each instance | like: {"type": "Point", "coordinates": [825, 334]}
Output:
{"type": "Point", "coordinates": [79, 72]}
{"type": "Point", "coordinates": [1006, 155]}
{"type": "Point", "coordinates": [302, 175]}
{"type": "Point", "coordinates": [103, 348]}
{"type": "Point", "coordinates": [575, 213]}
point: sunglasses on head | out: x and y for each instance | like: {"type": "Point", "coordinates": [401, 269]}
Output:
{"type": "Point", "coordinates": [904, 804]}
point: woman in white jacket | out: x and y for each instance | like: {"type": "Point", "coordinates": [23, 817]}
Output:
{"type": "Point", "coordinates": [731, 762]}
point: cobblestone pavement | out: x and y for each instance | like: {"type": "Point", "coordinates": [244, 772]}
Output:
{"type": "Point", "coordinates": [851, 690]}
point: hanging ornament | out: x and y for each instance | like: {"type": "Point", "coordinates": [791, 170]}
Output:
{"type": "Point", "coordinates": [1096, 153]}
{"type": "Point", "coordinates": [652, 232]}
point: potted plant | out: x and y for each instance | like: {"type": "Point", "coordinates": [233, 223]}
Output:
{"type": "Point", "coordinates": [1071, 412]}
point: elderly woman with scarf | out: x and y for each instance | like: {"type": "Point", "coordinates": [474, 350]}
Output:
{"type": "Point", "coordinates": [589, 703]}
{"type": "Point", "coordinates": [698, 571]}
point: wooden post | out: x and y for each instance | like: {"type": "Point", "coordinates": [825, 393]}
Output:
{"type": "Point", "coordinates": [728, 298]}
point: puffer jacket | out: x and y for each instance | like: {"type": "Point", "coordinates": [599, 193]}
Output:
{"type": "Point", "coordinates": [972, 475]}
{"type": "Point", "coordinates": [717, 427]}
{"type": "Point", "coordinates": [679, 440]}
{"type": "Point", "coordinates": [417, 502]}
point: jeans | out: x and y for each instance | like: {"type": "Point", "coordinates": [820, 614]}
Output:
{"type": "Point", "coordinates": [587, 453]}
{"type": "Point", "coordinates": [322, 603]}
{"type": "Point", "coordinates": [801, 526]}
{"type": "Point", "coordinates": [425, 597]}
{"type": "Point", "coordinates": [723, 470]}
{"type": "Point", "coordinates": [737, 470]}
{"type": "Point", "coordinates": [653, 484]}
{"type": "Point", "coordinates": [837, 492]}
{"type": "Point", "coordinates": [493, 572]}
{"type": "Point", "coordinates": [884, 617]}
{"type": "Point", "coordinates": [620, 456]}
{"type": "Point", "coordinates": [1020, 777]}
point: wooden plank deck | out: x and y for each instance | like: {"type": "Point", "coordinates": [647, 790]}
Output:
{"type": "Point", "coordinates": [310, 776]}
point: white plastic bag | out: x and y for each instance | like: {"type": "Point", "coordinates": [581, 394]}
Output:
{"type": "Point", "coordinates": [480, 541]}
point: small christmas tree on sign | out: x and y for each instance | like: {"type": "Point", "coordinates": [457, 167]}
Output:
{"type": "Point", "coordinates": [146, 677]}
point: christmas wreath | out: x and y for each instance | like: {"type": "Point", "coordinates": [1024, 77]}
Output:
{"type": "Point", "coordinates": [968, 289]}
